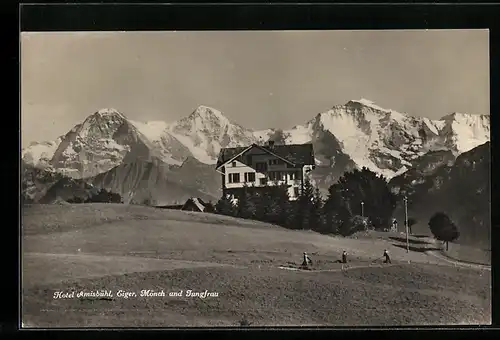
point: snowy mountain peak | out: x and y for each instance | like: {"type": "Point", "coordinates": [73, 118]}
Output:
{"type": "Point", "coordinates": [102, 123]}
{"type": "Point", "coordinates": [206, 130]}
{"type": "Point", "coordinates": [370, 104]}
{"type": "Point", "coordinates": [204, 118]}
{"type": "Point", "coordinates": [208, 114]}
{"type": "Point", "coordinates": [355, 134]}
{"type": "Point", "coordinates": [362, 101]}
{"type": "Point", "coordinates": [105, 112]}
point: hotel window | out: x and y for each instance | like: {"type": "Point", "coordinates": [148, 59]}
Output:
{"type": "Point", "coordinates": [263, 181]}
{"type": "Point", "coordinates": [234, 164]}
{"type": "Point", "coordinates": [234, 178]}
{"type": "Point", "coordinates": [294, 175]}
{"type": "Point", "coordinates": [275, 162]}
{"type": "Point", "coordinates": [272, 175]}
{"type": "Point", "coordinates": [261, 166]}
{"type": "Point", "coordinates": [277, 176]}
{"type": "Point", "coordinates": [249, 176]}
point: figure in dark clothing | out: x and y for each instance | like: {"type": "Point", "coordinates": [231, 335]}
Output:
{"type": "Point", "coordinates": [387, 258]}
{"type": "Point", "coordinates": [344, 257]}
{"type": "Point", "coordinates": [307, 261]}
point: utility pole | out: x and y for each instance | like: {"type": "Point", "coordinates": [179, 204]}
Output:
{"type": "Point", "coordinates": [405, 199]}
{"type": "Point", "coordinates": [362, 209]}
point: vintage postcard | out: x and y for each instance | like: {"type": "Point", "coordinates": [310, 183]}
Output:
{"type": "Point", "coordinates": [255, 178]}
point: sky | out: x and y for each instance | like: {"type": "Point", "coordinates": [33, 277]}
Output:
{"type": "Point", "coordinates": [258, 79]}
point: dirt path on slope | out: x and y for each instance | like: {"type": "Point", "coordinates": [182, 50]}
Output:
{"type": "Point", "coordinates": [344, 268]}
{"type": "Point", "coordinates": [458, 263]}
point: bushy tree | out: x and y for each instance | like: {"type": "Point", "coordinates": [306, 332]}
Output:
{"type": "Point", "coordinates": [443, 228]}
{"type": "Point", "coordinates": [104, 196]}
{"type": "Point", "coordinates": [354, 224]}
{"type": "Point", "coordinates": [209, 207]}
{"type": "Point", "coordinates": [101, 196]}
{"type": "Point", "coordinates": [362, 186]}
{"type": "Point", "coordinates": [225, 206]}
{"type": "Point", "coordinates": [76, 199]}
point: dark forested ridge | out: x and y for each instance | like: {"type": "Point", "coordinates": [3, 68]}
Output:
{"type": "Point", "coordinates": [461, 190]}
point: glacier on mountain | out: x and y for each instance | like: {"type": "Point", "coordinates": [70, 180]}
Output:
{"type": "Point", "coordinates": [358, 132]}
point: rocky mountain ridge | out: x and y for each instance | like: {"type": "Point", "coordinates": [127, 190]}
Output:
{"type": "Point", "coordinates": [356, 134]}
{"type": "Point", "coordinates": [385, 141]}
{"type": "Point", "coordinates": [460, 188]}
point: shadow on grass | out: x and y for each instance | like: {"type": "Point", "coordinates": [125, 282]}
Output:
{"type": "Point", "coordinates": [420, 236]}
{"type": "Point", "coordinates": [403, 239]}
{"type": "Point", "coordinates": [481, 263]}
{"type": "Point", "coordinates": [416, 249]}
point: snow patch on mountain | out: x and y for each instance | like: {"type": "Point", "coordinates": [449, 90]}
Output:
{"type": "Point", "coordinates": [299, 134]}
{"type": "Point", "coordinates": [263, 135]}
{"type": "Point", "coordinates": [153, 130]}
{"type": "Point", "coordinates": [433, 126]}
{"type": "Point", "coordinates": [40, 154]}
{"type": "Point", "coordinates": [467, 131]}
{"type": "Point", "coordinates": [198, 151]}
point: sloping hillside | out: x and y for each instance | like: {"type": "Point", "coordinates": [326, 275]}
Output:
{"type": "Point", "coordinates": [135, 182]}
{"type": "Point", "coordinates": [462, 190]}
{"type": "Point", "coordinates": [91, 247]}
{"type": "Point", "coordinates": [157, 181]}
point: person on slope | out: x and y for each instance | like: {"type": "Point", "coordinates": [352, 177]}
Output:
{"type": "Point", "coordinates": [387, 257]}
{"type": "Point", "coordinates": [307, 261]}
{"type": "Point", "coordinates": [344, 257]}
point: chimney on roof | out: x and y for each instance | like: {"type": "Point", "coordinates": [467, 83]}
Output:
{"type": "Point", "coordinates": [270, 143]}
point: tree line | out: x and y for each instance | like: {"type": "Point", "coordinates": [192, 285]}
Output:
{"type": "Point", "coordinates": [360, 200]}
{"type": "Point", "coordinates": [101, 196]}
{"type": "Point", "coordinates": [339, 213]}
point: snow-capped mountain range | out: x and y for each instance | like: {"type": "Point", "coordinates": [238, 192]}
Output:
{"type": "Point", "coordinates": [356, 134]}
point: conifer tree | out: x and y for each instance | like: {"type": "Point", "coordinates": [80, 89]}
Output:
{"type": "Point", "coordinates": [317, 216]}
{"type": "Point", "coordinates": [305, 205]}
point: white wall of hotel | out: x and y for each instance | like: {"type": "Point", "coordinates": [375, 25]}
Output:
{"type": "Point", "coordinates": [258, 156]}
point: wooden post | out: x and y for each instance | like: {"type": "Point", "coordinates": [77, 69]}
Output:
{"type": "Point", "coordinates": [406, 225]}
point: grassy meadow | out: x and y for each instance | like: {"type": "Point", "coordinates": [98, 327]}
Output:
{"type": "Point", "coordinates": [89, 247]}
